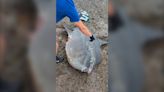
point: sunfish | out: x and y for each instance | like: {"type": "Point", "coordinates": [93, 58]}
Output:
{"type": "Point", "coordinates": [82, 54]}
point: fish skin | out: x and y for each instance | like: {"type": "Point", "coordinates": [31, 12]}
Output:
{"type": "Point", "coordinates": [82, 54]}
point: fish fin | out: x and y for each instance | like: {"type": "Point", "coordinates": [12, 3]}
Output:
{"type": "Point", "coordinates": [103, 42]}
{"type": "Point", "coordinates": [67, 29]}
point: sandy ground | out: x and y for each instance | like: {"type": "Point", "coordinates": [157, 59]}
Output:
{"type": "Point", "coordinates": [71, 80]}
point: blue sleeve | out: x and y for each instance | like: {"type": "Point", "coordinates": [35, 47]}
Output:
{"type": "Point", "coordinates": [72, 13]}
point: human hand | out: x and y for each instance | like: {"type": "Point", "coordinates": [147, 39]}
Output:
{"type": "Point", "coordinates": [92, 38]}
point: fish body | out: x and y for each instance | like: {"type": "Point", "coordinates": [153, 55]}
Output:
{"type": "Point", "coordinates": [82, 54]}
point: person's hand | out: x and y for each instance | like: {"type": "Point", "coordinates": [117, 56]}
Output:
{"type": "Point", "coordinates": [92, 38]}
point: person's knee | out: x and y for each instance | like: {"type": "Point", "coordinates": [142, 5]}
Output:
{"type": "Point", "coordinates": [57, 45]}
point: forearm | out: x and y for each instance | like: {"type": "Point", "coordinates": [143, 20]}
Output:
{"type": "Point", "coordinates": [86, 31]}
{"type": "Point", "coordinates": [83, 28]}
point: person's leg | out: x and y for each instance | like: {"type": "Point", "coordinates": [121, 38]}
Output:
{"type": "Point", "coordinates": [57, 45]}
{"type": "Point", "coordinates": [58, 58]}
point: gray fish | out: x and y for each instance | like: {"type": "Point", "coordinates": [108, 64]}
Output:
{"type": "Point", "coordinates": [82, 54]}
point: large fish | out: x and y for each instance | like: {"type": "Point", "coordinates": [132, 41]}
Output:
{"type": "Point", "coordinates": [82, 54]}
